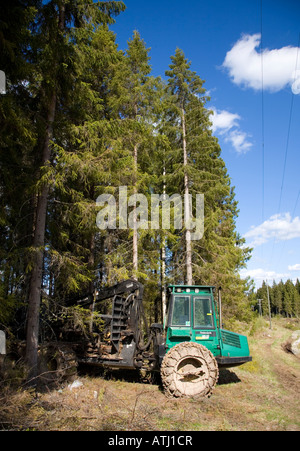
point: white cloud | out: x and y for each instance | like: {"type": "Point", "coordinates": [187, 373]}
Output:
{"type": "Point", "coordinates": [239, 140]}
{"type": "Point", "coordinates": [227, 124]}
{"type": "Point", "coordinates": [259, 275]}
{"type": "Point", "coordinates": [246, 65]}
{"type": "Point", "coordinates": [294, 267]}
{"type": "Point", "coordinates": [223, 120]}
{"type": "Point", "coordinates": [280, 227]}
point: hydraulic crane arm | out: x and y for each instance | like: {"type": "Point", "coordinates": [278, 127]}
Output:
{"type": "Point", "coordinates": [128, 286]}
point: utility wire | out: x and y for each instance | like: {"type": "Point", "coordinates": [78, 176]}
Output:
{"type": "Point", "coordinates": [262, 110]}
{"type": "Point", "coordinates": [294, 211]}
{"type": "Point", "coordinates": [285, 160]}
{"type": "Point", "coordinates": [288, 134]}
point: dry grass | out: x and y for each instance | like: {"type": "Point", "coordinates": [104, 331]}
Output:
{"type": "Point", "coordinates": [261, 395]}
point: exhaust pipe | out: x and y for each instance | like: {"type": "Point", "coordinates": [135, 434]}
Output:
{"type": "Point", "coordinates": [220, 307]}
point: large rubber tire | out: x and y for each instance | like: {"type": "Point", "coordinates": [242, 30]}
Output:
{"type": "Point", "coordinates": [57, 362]}
{"type": "Point", "coordinates": [189, 370]}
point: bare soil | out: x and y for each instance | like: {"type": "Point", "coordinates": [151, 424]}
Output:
{"type": "Point", "coordinates": [263, 395]}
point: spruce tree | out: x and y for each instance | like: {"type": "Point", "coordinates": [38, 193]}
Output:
{"type": "Point", "coordinates": [289, 292]}
{"type": "Point", "coordinates": [135, 93]}
{"type": "Point", "coordinates": [196, 167]}
{"type": "Point", "coordinates": [87, 120]}
{"type": "Point", "coordinates": [86, 163]}
{"type": "Point", "coordinates": [183, 85]}
{"type": "Point", "coordinates": [17, 157]}
{"type": "Point", "coordinates": [277, 297]}
{"type": "Point", "coordinates": [262, 294]}
{"type": "Point", "coordinates": [52, 53]}
{"type": "Point", "coordinates": [297, 299]}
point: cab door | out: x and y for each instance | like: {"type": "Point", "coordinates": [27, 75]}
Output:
{"type": "Point", "coordinates": [179, 320]}
{"type": "Point", "coordinates": [204, 329]}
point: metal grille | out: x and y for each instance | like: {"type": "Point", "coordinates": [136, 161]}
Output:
{"type": "Point", "coordinates": [230, 339]}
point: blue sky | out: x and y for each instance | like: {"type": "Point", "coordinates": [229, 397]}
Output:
{"type": "Point", "coordinates": [258, 129]}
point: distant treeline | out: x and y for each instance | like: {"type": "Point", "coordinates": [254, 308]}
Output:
{"type": "Point", "coordinates": [284, 298]}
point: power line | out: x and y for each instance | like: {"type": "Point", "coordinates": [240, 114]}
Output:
{"type": "Point", "coordinates": [283, 245]}
{"type": "Point", "coordinates": [294, 211]}
{"type": "Point", "coordinates": [288, 134]}
{"type": "Point", "coordinates": [285, 160]}
{"type": "Point", "coordinates": [262, 109]}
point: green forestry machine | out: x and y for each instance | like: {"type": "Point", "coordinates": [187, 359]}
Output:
{"type": "Point", "coordinates": [187, 351]}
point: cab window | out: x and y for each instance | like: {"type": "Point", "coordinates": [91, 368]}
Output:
{"type": "Point", "coordinates": [203, 315]}
{"type": "Point", "coordinates": [181, 311]}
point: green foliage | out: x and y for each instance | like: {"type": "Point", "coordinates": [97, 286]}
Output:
{"type": "Point", "coordinates": [219, 255]}
{"type": "Point", "coordinates": [114, 125]}
{"type": "Point", "coordinates": [81, 320]}
{"type": "Point", "coordinates": [9, 305]}
{"type": "Point", "coordinates": [284, 298]}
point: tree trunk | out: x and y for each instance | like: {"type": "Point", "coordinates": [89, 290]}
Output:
{"type": "Point", "coordinates": [163, 282]}
{"type": "Point", "coordinates": [187, 212]}
{"type": "Point", "coordinates": [163, 264]}
{"type": "Point", "coordinates": [91, 262]}
{"type": "Point", "coordinates": [135, 233]}
{"type": "Point", "coordinates": [34, 298]}
{"type": "Point", "coordinates": [38, 244]}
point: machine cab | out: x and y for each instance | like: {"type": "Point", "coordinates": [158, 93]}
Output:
{"type": "Point", "coordinates": [192, 317]}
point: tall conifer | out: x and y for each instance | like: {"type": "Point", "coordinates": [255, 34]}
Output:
{"type": "Point", "coordinates": [196, 167]}
{"type": "Point", "coordinates": [54, 51]}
